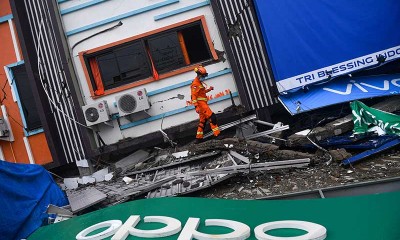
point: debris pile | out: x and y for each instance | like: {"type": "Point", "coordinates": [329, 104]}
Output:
{"type": "Point", "coordinates": [251, 164]}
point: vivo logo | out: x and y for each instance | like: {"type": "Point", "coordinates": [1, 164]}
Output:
{"type": "Point", "coordinates": [240, 231]}
{"type": "Point", "coordinates": [364, 87]}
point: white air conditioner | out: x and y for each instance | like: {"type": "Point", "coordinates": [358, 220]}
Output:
{"type": "Point", "coordinates": [96, 113]}
{"type": "Point", "coordinates": [132, 102]}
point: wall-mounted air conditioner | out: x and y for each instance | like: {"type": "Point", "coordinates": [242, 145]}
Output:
{"type": "Point", "coordinates": [96, 113]}
{"type": "Point", "coordinates": [132, 102]}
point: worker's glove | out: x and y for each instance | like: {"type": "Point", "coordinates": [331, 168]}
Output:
{"type": "Point", "coordinates": [211, 88]}
{"type": "Point", "coordinates": [197, 109]}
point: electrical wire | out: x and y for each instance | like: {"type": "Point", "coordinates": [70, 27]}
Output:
{"type": "Point", "coordinates": [53, 103]}
{"type": "Point", "coordinates": [16, 121]}
{"type": "Point", "coordinates": [103, 31]}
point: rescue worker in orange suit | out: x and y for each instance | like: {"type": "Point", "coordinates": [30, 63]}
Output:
{"type": "Point", "coordinates": [199, 100]}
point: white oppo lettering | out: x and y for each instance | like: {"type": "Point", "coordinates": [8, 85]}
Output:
{"type": "Point", "coordinates": [240, 231]}
{"type": "Point", "coordinates": [385, 87]}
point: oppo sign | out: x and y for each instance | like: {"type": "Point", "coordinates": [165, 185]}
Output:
{"type": "Point", "coordinates": [120, 231]}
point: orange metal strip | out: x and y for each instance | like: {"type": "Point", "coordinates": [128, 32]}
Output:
{"type": "Point", "coordinates": [183, 47]}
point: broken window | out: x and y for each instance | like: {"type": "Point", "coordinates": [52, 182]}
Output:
{"type": "Point", "coordinates": [147, 57]}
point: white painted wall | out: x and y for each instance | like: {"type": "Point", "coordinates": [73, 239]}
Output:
{"type": "Point", "coordinates": [133, 26]}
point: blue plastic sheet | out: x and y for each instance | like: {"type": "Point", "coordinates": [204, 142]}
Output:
{"type": "Point", "coordinates": [308, 40]}
{"type": "Point", "coordinates": [25, 192]}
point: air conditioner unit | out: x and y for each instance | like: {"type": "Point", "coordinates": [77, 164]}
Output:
{"type": "Point", "coordinates": [96, 113]}
{"type": "Point", "coordinates": [132, 102]}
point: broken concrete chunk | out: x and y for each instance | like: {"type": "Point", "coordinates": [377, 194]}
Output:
{"type": "Point", "coordinates": [87, 179]}
{"type": "Point", "coordinates": [186, 184]}
{"type": "Point", "coordinates": [127, 180]}
{"type": "Point", "coordinates": [108, 177]}
{"type": "Point", "coordinates": [180, 154]}
{"type": "Point", "coordinates": [339, 154]}
{"type": "Point", "coordinates": [99, 175]}
{"type": "Point", "coordinates": [71, 183]}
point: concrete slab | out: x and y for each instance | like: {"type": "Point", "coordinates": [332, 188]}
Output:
{"type": "Point", "coordinates": [83, 199]}
{"type": "Point", "coordinates": [130, 161]}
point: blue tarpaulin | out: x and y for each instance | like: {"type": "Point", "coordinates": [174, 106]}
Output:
{"type": "Point", "coordinates": [25, 192]}
{"type": "Point", "coordinates": [340, 91]}
{"type": "Point", "coordinates": [308, 40]}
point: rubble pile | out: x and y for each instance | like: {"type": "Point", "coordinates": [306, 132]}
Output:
{"type": "Point", "coordinates": [262, 185]}
{"type": "Point", "coordinates": [249, 165]}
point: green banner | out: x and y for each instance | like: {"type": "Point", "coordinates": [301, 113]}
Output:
{"type": "Point", "coordinates": [365, 117]}
{"type": "Point", "coordinates": [370, 217]}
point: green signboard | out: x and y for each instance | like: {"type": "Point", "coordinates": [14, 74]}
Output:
{"type": "Point", "coordinates": [364, 117]}
{"type": "Point", "coordinates": [367, 217]}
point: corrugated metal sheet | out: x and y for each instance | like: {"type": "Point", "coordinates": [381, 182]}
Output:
{"type": "Point", "coordinates": [245, 40]}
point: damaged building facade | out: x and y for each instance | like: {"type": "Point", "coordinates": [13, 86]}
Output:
{"type": "Point", "coordinates": [109, 80]}
{"type": "Point", "coordinates": [107, 77]}
{"type": "Point", "coordinates": [21, 131]}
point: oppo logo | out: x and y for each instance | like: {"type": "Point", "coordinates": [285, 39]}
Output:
{"type": "Point", "coordinates": [240, 231]}
{"type": "Point", "coordinates": [364, 86]}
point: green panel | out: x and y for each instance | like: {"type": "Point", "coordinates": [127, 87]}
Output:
{"type": "Point", "coordinates": [365, 117]}
{"type": "Point", "coordinates": [370, 217]}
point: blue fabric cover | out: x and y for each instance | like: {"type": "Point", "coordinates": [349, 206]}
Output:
{"type": "Point", "coordinates": [25, 192]}
{"type": "Point", "coordinates": [309, 35]}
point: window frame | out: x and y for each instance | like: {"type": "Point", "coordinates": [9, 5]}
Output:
{"type": "Point", "coordinates": [113, 50]}
{"type": "Point", "coordinates": [85, 55]}
{"type": "Point", "coordinates": [13, 83]}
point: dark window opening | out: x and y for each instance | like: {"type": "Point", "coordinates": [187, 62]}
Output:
{"type": "Point", "coordinates": [196, 44]}
{"type": "Point", "coordinates": [27, 101]}
{"type": "Point", "coordinates": [159, 53]}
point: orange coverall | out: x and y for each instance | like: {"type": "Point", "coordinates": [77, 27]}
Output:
{"type": "Point", "coordinates": [199, 100]}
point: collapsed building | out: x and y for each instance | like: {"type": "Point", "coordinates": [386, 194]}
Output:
{"type": "Point", "coordinates": [102, 91]}
{"type": "Point", "coordinates": [115, 81]}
